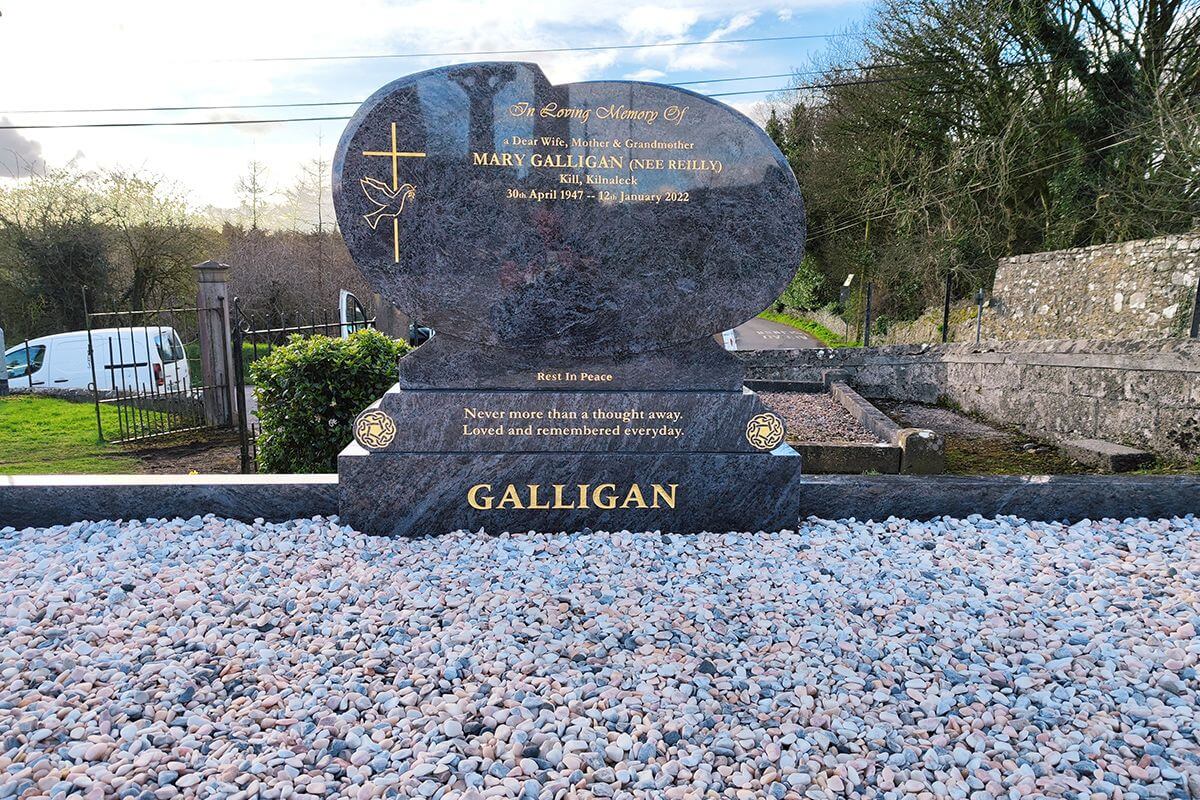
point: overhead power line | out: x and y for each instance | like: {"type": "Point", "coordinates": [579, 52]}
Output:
{"type": "Point", "coordinates": [151, 124]}
{"type": "Point", "coordinates": [188, 123]}
{"type": "Point", "coordinates": [532, 51]}
{"type": "Point", "coordinates": [744, 78]}
{"type": "Point", "coordinates": [327, 103]}
{"type": "Point", "coordinates": [276, 120]}
{"type": "Point", "coordinates": [859, 68]}
{"type": "Point", "coordinates": [249, 106]}
{"type": "Point", "coordinates": [223, 107]}
{"type": "Point", "coordinates": [809, 86]}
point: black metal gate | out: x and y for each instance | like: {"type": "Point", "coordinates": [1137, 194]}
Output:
{"type": "Point", "coordinates": [146, 365]}
{"type": "Point", "coordinates": [254, 336]}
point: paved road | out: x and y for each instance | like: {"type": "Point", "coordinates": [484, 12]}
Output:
{"type": "Point", "coordinates": [761, 334]}
{"type": "Point", "coordinates": [251, 406]}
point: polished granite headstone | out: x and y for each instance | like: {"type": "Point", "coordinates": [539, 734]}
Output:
{"type": "Point", "coordinates": [575, 247]}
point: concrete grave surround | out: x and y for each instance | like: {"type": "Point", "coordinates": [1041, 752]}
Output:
{"type": "Point", "coordinates": [575, 248]}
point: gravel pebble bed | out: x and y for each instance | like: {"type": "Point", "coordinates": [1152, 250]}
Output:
{"type": "Point", "coordinates": [816, 417]}
{"type": "Point", "coordinates": [955, 658]}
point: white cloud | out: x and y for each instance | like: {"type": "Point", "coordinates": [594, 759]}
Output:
{"type": "Point", "coordinates": [645, 75]}
{"type": "Point", "coordinates": [759, 110]}
{"type": "Point", "coordinates": [706, 56]}
{"type": "Point", "coordinates": [649, 22]}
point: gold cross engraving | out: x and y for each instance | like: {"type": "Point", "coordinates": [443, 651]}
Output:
{"type": "Point", "coordinates": [389, 200]}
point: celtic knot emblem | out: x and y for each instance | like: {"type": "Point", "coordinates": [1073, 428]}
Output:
{"type": "Point", "coordinates": [765, 431]}
{"type": "Point", "coordinates": [374, 429]}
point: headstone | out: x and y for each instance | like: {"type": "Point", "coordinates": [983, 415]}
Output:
{"type": "Point", "coordinates": [575, 248]}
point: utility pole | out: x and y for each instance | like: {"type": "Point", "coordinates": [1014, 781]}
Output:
{"type": "Point", "coordinates": [1196, 312]}
{"type": "Point", "coordinates": [946, 310]}
{"type": "Point", "coordinates": [978, 315]}
{"type": "Point", "coordinates": [867, 316]}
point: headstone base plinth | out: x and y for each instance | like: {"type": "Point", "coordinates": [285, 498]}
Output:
{"type": "Point", "coordinates": [420, 494]}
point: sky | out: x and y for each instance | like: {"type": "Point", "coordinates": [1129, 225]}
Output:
{"type": "Point", "coordinates": [80, 54]}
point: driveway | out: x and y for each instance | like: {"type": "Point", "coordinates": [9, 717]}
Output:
{"type": "Point", "coordinates": [762, 334]}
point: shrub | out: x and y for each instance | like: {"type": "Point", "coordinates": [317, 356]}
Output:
{"type": "Point", "coordinates": [309, 392]}
{"type": "Point", "coordinates": [807, 288]}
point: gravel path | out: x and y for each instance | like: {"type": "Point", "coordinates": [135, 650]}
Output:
{"type": "Point", "coordinates": [816, 417]}
{"type": "Point", "coordinates": [977, 658]}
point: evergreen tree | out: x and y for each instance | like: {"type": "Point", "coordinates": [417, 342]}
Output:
{"type": "Point", "coordinates": [775, 131]}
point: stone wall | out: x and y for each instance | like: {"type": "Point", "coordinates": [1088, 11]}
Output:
{"type": "Point", "coordinates": [927, 329]}
{"type": "Point", "coordinates": [1139, 393]}
{"type": "Point", "coordinates": [1132, 290]}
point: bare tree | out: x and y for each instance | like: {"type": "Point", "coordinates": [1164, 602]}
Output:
{"type": "Point", "coordinates": [960, 131]}
{"type": "Point", "coordinates": [308, 208]}
{"type": "Point", "coordinates": [252, 190]}
{"type": "Point", "coordinates": [154, 240]}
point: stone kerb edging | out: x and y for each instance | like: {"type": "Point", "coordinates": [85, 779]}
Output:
{"type": "Point", "coordinates": [922, 451]}
{"type": "Point", "coordinates": [43, 500]}
{"type": "Point", "coordinates": [40, 500]}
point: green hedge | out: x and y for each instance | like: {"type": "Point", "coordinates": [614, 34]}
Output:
{"type": "Point", "coordinates": [309, 392]}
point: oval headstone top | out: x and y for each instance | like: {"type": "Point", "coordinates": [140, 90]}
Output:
{"type": "Point", "coordinates": [592, 218]}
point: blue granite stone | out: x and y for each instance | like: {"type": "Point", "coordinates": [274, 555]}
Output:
{"type": "Point", "coordinates": [575, 248]}
{"type": "Point", "coordinates": [577, 273]}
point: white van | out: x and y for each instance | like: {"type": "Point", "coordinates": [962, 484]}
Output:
{"type": "Point", "coordinates": [61, 361]}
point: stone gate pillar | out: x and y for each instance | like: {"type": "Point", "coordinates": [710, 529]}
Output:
{"type": "Point", "coordinates": [216, 353]}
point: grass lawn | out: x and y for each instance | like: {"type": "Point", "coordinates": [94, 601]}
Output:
{"type": "Point", "coordinates": [818, 331]}
{"type": "Point", "coordinates": [49, 435]}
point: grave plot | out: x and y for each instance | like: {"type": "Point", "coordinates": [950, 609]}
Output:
{"type": "Point", "coordinates": [837, 431]}
{"type": "Point", "coordinates": [953, 658]}
{"type": "Point", "coordinates": [975, 447]}
{"type": "Point", "coordinates": [817, 417]}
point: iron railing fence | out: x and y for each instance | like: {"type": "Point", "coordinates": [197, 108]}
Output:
{"type": "Point", "coordinates": [145, 364]}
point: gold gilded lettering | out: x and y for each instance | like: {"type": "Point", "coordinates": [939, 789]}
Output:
{"type": "Point", "coordinates": [559, 502]}
{"type": "Point", "coordinates": [660, 493]}
{"type": "Point", "coordinates": [497, 159]}
{"type": "Point", "coordinates": [604, 497]}
{"type": "Point", "coordinates": [484, 503]}
{"type": "Point", "coordinates": [533, 498]}
{"type": "Point", "coordinates": [576, 161]}
{"type": "Point", "coordinates": [512, 497]}
{"type": "Point", "coordinates": [634, 498]}
{"type": "Point", "coordinates": [553, 111]}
